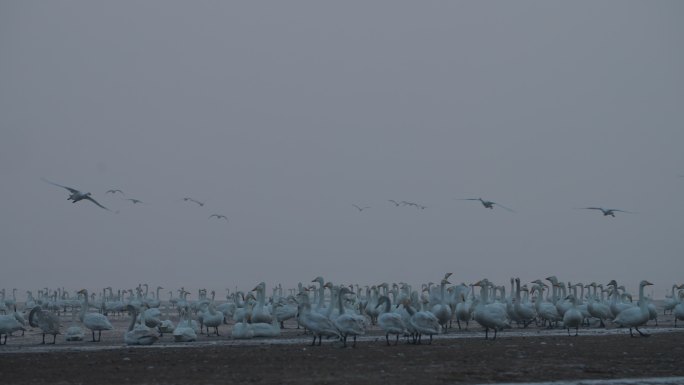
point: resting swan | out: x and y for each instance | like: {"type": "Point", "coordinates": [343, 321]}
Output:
{"type": "Point", "coordinates": [138, 333]}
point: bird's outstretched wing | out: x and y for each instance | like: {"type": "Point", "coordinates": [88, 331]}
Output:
{"type": "Point", "coordinates": [467, 199]}
{"type": "Point", "coordinates": [96, 202]}
{"type": "Point", "coordinates": [393, 201]}
{"type": "Point", "coordinates": [73, 190]}
{"type": "Point", "coordinates": [357, 207]}
{"type": "Point", "coordinates": [504, 207]}
{"type": "Point", "coordinates": [622, 211]}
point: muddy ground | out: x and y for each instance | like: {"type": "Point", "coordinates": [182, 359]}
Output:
{"type": "Point", "coordinates": [458, 357]}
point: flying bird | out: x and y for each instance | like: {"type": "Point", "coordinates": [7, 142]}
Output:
{"type": "Point", "coordinates": [76, 195]}
{"type": "Point", "coordinates": [114, 191]}
{"type": "Point", "coordinates": [488, 204]}
{"type": "Point", "coordinates": [218, 216]}
{"type": "Point", "coordinates": [193, 200]}
{"type": "Point", "coordinates": [361, 208]}
{"type": "Point", "coordinates": [134, 201]}
{"type": "Point", "coordinates": [395, 203]}
{"type": "Point", "coordinates": [606, 212]}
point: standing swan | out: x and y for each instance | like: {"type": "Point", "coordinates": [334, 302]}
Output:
{"type": "Point", "coordinates": [93, 321]}
{"type": "Point", "coordinates": [390, 322]}
{"type": "Point", "coordinates": [46, 321]}
{"type": "Point", "coordinates": [637, 315]}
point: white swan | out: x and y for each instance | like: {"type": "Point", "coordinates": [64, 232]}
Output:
{"type": "Point", "coordinates": [46, 321]}
{"type": "Point", "coordinates": [77, 195]}
{"type": "Point", "coordinates": [671, 300]}
{"type": "Point", "coordinates": [93, 321]}
{"type": "Point", "coordinates": [442, 310]}
{"type": "Point", "coordinates": [318, 324]}
{"type": "Point", "coordinates": [138, 333]}
{"type": "Point", "coordinates": [636, 315]}
{"type": "Point", "coordinates": [391, 323]}
{"type": "Point", "coordinates": [260, 313]}
{"type": "Point", "coordinates": [184, 331]}
{"type": "Point", "coordinates": [678, 310]}
{"type": "Point", "coordinates": [597, 308]}
{"type": "Point", "coordinates": [523, 311]}
{"type": "Point", "coordinates": [606, 212]}
{"type": "Point", "coordinates": [421, 322]}
{"type": "Point", "coordinates": [348, 324]}
{"type": "Point", "coordinates": [487, 204]}
{"type": "Point", "coordinates": [489, 316]}
{"type": "Point", "coordinates": [8, 325]}
{"type": "Point", "coordinates": [572, 316]}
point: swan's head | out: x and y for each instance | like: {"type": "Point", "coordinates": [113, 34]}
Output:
{"type": "Point", "coordinates": [612, 283]}
{"type": "Point", "coordinates": [318, 279]}
{"type": "Point", "coordinates": [447, 275]}
{"type": "Point", "coordinates": [552, 279]}
{"type": "Point", "coordinates": [645, 283]}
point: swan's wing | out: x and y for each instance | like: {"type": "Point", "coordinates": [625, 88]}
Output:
{"type": "Point", "coordinates": [357, 207]}
{"type": "Point", "coordinates": [591, 208]}
{"type": "Point", "coordinates": [73, 190]}
{"type": "Point", "coordinates": [96, 202]}
{"type": "Point", "coordinates": [503, 207]}
{"type": "Point", "coordinates": [622, 211]}
{"type": "Point", "coordinates": [467, 199]}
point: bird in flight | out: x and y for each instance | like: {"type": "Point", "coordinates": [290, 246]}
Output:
{"type": "Point", "coordinates": [114, 191]}
{"type": "Point", "coordinates": [193, 200]}
{"type": "Point", "coordinates": [488, 204]}
{"type": "Point", "coordinates": [395, 203]}
{"type": "Point", "coordinates": [76, 195]}
{"type": "Point", "coordinates": [134, 201]}
{"type": "Point", "coordinates": [606, 212]}
{"type": "Point", "coordinates": [218, 216]}
{"type": "Point", "coordinates": [361, 208]}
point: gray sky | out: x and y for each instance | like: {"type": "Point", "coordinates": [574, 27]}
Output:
{"type": "Point", "coordinates": [281, 115]}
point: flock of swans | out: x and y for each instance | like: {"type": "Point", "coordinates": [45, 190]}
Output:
{"type": "Point", "coordinates": [324, 309]}
{"type": "Point", "coordinates": [77, 195]}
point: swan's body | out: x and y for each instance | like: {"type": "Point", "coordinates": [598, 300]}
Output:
{"type": "Point", "coordinates": [93, 321]}
{"type": "Point", "coordinates": [184, 331]}
{"type": "Point", "coordinates": [391, 323]}
{"type": "Point", "coordinates": [487, 204]}
{"type": "Point", "coordinates": [317, 323]}
{"type": "Point", "coordinates": [489, 316]}
{"type": "Point", "coordinates": [77, 195]}
{"type": "Point", "coordinates": [606, 212]}
{"type": "Point", "coordinates": [348, 324]}
{"type": "Point", "coordinates": [138, 333]}
{"type": "Point", "coordinates": [637, 315]}
{"type": "Point", "coordinates": [572, 316]}
{"type": "Point", "coordinates": [46, 321]}
{"type": "Point", "coordinates": [8, 325]}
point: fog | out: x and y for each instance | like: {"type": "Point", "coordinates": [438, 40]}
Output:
{"type": "Point", "coordinates": [283, 115]}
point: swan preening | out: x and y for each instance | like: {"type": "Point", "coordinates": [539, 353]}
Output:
{"type": "Point", "coordinates": [342, 312]}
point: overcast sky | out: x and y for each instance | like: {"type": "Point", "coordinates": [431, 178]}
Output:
{"type": "Point", "coordinates": [283, 114]}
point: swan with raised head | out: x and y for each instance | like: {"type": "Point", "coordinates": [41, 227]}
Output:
{"type": "Point", "coordinates": [347, 323]}
{"type": "Point", "coordinates": [489, 316]}
{"type": "Point", "coordinates": [93, 321]}
{"type": "Point", "coordinates": [572, 316]}
{"type": "Point", "coordinates": [389, 322]}
{"type": "Point", "coordinates": [317, 323]}
{"type": "Point", "coordinates": [442, 310]}
{"type": "Point", "coordinates": [637, 315]}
